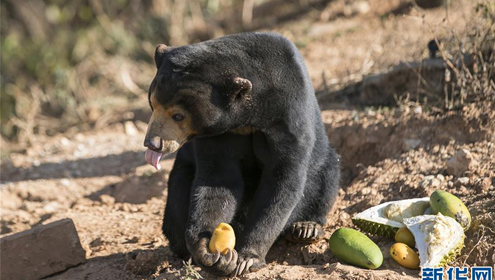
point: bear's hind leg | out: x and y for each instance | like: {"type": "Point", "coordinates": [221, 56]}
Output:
{"type": "Point", "coordinates": [307, 220]}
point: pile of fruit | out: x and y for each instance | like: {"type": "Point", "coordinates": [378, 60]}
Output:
{"type": "Point", "coordinates": [433, 225]}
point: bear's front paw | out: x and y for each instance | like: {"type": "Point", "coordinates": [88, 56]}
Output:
{"type": "Point", "coordinates": [216, 264]}
{"type": "Point", "coordinates": [248, 263]}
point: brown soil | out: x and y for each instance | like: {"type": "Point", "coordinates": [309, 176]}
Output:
{"type": "Point", "coordinates": [100, 179]}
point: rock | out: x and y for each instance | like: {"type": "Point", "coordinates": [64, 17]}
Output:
{"type": "Point", "coordinates": [80, 137]}
{"type": "Point", "coordinates": [484, 185]}
{"type": "Point", "coordinates": [462, 181]}
{"type": "Point", "coordinates": [130, 129]}
{"type": "Point", "coordinates": [129, 115]}
{"type": "Point", "coordinates": [96, 242]}
{"type": "Point", "coordinates": [51, 207]}
{"type": "Point", "coordinates": [107, 199]}
{"type": "Point", "coordinates": [134, 239]}
{"type": "Point", "coordinates": [435, 183]}
{"type": "Point", "coordinates": [435, 149]}
{"type": "Point", "coordinates": [424, 165]}
{"type": "Point", "coordinates": [460, 162]}
{"type": "Point", "coordinates": [365, 191]}
{"type": "Point", "coordinates": [64, 141]}
{"type": "Point", "coordinates": [65, 182]}
{"type": "Point", "coordinates": [430, 181]}
{"type": "Point", "coordinates": [41, 251]}
{"type": "Point", "coordinates": [97, 245]}
{"type": "Point", "coordinates": [10, 200]}
{"type": "Point", "coordinates": [359, 7]}
{"type": "Point", "coordinates": [344, 216]}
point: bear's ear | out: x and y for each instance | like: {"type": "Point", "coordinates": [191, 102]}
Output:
{"type": "Point", "coordinates": [159, 52]}
{"type": "Point", "coordinates": [241, 87]}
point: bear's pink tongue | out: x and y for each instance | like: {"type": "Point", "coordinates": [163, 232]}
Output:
{"type": "Point", "coordinates": [153, 158]}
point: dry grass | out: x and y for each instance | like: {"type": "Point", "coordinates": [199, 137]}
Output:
{"type": "Point", "coordinates": [470, 58]}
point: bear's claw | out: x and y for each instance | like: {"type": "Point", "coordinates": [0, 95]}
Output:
{"type": "Point", "coordinates": [306, 232]}
{"type": "Point", "coordinates": [216, 264]}
{"type": "Point", "coordinates": [246, 265]}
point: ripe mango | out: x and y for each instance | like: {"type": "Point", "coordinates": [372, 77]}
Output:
{"type": "Point", "coordinates": [353, 247]}
{"type": "Point", "coordinates": [404, 255]}
{"type": "Point", "coordinates": [223, 239]}
{"type": "Point", "coordinates": [451, 206]}
{"type": "Point", "coordinates": [403, 235]}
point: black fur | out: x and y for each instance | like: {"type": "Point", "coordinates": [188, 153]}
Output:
{"type": "Point", "coordinates": [262, 182]}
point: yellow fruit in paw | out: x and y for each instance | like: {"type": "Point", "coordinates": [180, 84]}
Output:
{"type": "Point", "coordinates": [405, 256]}
{"type": "Point", "coordinates": [223, 239]}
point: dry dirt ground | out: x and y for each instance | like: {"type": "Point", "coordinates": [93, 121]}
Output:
{"type": "Point", "coordinates": [100, 179]}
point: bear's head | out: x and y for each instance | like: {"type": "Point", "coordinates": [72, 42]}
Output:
{"type": "Point", "coordinates": [196, 92]}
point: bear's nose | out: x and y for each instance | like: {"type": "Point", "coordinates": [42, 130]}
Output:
{"type": "Point", "coordinates": [153, 143]}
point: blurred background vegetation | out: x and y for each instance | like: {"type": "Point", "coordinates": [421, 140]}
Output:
{"type": "Point", "coordinates": [67, 64]}
{"type": "Point", "coordinates": [70, 65]}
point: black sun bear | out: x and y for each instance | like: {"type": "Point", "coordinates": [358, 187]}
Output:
{"type": "Point", "coordinates": [252, 148]}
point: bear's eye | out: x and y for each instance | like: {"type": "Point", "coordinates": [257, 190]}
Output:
{"type": "Point", "coordinates": [178, 117]}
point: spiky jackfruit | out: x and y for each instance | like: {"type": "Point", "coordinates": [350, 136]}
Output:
{"type": "Point", "coordinates": [385, 219]}
{"type": "Point", "coordinates": [439, 239]}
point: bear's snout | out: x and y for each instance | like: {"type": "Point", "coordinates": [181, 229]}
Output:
{"type": "Point", "coordinates": [153, 143]}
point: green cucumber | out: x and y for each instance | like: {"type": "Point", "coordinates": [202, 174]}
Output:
{"type": "Point", "coordinates": [353, 247]}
